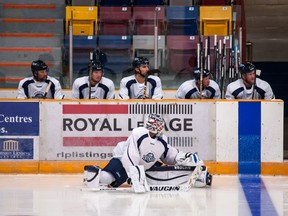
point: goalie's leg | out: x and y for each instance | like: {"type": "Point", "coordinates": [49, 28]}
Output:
{"type": "Point", "coordinates": [91, 176]}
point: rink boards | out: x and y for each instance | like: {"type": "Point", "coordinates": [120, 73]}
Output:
{"type": "Point", "coordinates": [60, 136]}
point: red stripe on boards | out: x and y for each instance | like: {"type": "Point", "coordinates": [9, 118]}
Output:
{"type": "Point", "coordinates": [95, 109]}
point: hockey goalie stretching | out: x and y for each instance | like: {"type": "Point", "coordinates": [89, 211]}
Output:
{"type": "Point", "coordinates": [137, 162]}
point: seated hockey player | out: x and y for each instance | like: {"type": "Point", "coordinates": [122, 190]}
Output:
{"type": "Point", "coordinates": [144, 148]}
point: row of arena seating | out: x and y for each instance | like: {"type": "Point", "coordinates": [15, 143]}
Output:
{"type": "Point", "coordinates": [146, 2]}
{"type": "Point", "coordinates": [178, 54]}
{"type": "Point", "coordinates": [138, 20]}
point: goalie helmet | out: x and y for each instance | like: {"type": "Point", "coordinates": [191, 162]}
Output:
{"type": "Point", "coordinates": [138, 61]}
{"type": "Point", "coordinates": [247, 68]}
{"type": "Point", "coordinates": [155, 124]}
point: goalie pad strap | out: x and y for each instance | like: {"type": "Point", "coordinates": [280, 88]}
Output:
{"type": "Point", "coordinates": [116, 168]}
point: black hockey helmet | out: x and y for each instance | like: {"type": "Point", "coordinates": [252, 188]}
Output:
{"type": "Point", "coordinates": [138, 61]}
{"type": "Point", "coordinates": [38, 65]}
{"type": "Point", "coordinates": [247, 68]}
{"type": "Point", "coordinates": [98, 55]}
{"type": "Point", "coordinates": [97, 65]}
{"type": "Point", "coordinates": [197, 73]}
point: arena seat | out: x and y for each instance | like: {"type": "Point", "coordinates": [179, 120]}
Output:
{"type": "Point", "coordinates": [82, 46]}
{"type": "Point", "coordinates": [215, 20]}
{"type": "Point", "coordinates": [118, 51]}
{"type": "Point", "coordinates": [143, 45]}
{"type": "Point", "coordinates": [118, 24]}
{"type": "Point", "coordinates": [182, 20]}
{"type": "Point", "coordinates": [144, 17]}
{"type": "Point", "coordinates": [181, 53]}
{"type": "Point", "coordinates": [181, 3]}
{"type": "Point", "coordinates": [83, 19]}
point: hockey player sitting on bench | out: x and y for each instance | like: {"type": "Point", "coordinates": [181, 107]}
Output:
{"type": "Point", "coordinates": [139, 154]}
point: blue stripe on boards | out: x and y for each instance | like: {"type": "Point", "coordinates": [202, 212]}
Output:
{"type": "Point", "coordinates": [257, 196]}
{"type": "Point", "coordinates": [249, 137]}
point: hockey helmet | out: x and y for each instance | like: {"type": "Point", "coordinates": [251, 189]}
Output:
{"type": "Point", "coordinates": [97, 66]}
{"type": "Point", "coordinates": [38, 66]}
{"type": "Point", "coordinates": [197, 73]}
{"type": "Point", "coordinates": [154, 123]}
{"type": "Point", "coordinates": [98, 55]}
{"type": "Point", "coordinates": [247, 68]}
{"type": "Point", "coordinates": [138, 61]}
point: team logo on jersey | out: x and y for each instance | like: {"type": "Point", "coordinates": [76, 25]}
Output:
{"type": "Point", "coordinates": [149, 157]}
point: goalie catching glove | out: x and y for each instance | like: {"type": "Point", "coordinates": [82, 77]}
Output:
{"type": "Point", "coordinates": [188, 159]}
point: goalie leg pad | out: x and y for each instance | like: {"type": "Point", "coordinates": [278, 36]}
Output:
{"type": "Point", "coordinates": [116, 168]}
{"type": "Point", "coordinates": [204, 179]}
{"type": "Point", "coordinates": [91, 176]}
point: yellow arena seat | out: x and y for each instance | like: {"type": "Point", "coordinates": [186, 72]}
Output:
{"type": "Point", "coordinates": [215, 20]}
{"type": "Point", "coordinates": [83, 20]}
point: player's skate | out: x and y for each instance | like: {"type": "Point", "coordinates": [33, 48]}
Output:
{"type": "Point", "coordinates": [91, 176]}
{"type": "Point", "coordinates": [138, 178]}
{"type": "Point", "coordinates": [203, 179]}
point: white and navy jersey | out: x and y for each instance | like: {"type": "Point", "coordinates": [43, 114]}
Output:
{"type": "Point", "coordinates": [30, 88]}
{"type": "Point", "coordinates": [105, 89]}
{"type": "Point", "coordinates": [131, 89]}
{"type": "Point", "coordinates": [143, 150]}
{"type": "Point", "coordinates": [237, 90]}
{"type": "Point", "coordinates": [189, 90]}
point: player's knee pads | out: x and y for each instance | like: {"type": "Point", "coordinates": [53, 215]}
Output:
{"type": "Point", "coordinates": [116, 168]}
{"type": "Point", "coordinates": [91, 176]}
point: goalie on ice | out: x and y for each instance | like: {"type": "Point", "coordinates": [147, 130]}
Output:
{"type": "Point", "coordinates": [137, 162]}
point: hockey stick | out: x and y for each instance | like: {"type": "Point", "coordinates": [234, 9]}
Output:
{"type": "Point", "coordinates": [90, 74]}
{"type": "Point", "coordinates": [153, 188]}
{"type": "Point", "coordinates": [47, 90]}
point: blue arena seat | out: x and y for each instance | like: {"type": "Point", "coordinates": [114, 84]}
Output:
{"type": "Point", "coordinates": [118, 51]}
{"type": "Point", "coordinates": [118, 24]}
{"type": "Point", "coordinates": [82, 46]}
{"type": "Point", "coordinates": [182, 20]}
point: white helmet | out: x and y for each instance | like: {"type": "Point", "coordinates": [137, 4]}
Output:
{"type": "Point", "coordinates": [154, 123]}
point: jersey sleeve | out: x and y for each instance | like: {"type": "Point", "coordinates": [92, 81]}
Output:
{"type": "Point", "coordinates": [123, 91]}
{"type": "Point", "coordinates": [217, 91]}
{"type": "Point", "coordinates": [170, 157]}
{"type": "Point", "coordinates": [179, 93]}
{"type": "Point", "coordinates": [75, 89]}
{"type": "Point", "coordinates": [158, 94]}
{"type": "Point", "coordinates": [111, 92]}
{"type": "Point", "coordinates": [58, 90]}
{"type": "Point", "coordinates": [131, 156]}
{"type": "Point", "coordinates": [228, 94]}
{"type": "Point", "coordinates": [269, 95]}
{"type": "Point", "coordinates": [21, 94]}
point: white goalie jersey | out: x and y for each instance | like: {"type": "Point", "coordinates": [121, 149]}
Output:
{"type": "Point", "coordinates": [141, 149]}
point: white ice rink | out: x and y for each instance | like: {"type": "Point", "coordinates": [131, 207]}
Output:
{"type": "Point", "coordinates": [59, 195]}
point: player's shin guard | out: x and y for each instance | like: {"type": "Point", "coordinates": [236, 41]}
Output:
{"type": "Point", "coordinates": [91, 176]}
{"type": "Point", "coordinates": [138, 178]}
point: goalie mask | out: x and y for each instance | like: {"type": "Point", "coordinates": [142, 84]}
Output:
{"type": "Point", "coordinates": [155, 124]}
